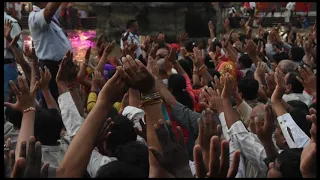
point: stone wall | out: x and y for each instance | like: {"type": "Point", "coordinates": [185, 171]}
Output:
{"type": "Point", "coordinates": [171, 18]}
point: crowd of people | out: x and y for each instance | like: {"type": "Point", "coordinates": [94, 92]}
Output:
{"type": "Point", "coordinates": [236, 106]}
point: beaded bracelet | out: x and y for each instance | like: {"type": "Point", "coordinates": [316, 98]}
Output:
{"type": "Point", "coordinates": [29, 109]}
{"type": "Point", "coordinates": [150, 96]}
{"type": "Point", "coordinates": [202, 69]}
{"type": "Point", "coordinates": [151, 102]}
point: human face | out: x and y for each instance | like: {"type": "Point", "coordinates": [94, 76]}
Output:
{"type": "Point", "coordinates": [135, 28]}
{"type": "Point", "coordinates": [280, 140]}
{"type": "Point", "coordinates": [274, 170]}
{"type": "Point", "coordinates": [162, 53]}
{"type": "Point", "coordinates": [288, 86]}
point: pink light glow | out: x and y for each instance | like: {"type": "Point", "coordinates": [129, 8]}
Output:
{"type": "Point", "coordinates": [80, 41]}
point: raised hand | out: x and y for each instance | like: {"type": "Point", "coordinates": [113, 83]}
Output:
{"type": "Point", "coordinates": [105, 132]}
{"type": "Point", "coordinates": [271, 85]}
{"type": "Point", "coordinates": [264, 129]}
{"type": "Point", "coordinates": [143, 131]}
{"type": "Point", "coordinates": [87, 56]}
{"type": "Point", "coordinates": [153, 67]}
{"type": "Point", "coordinates": [261, 70]}
{"type": "Point", "coordinates": [31, 166]}
{"type": "Point", "coordinates": [25, 97]}
{"type": "Point", "coordinates": [309, 154]}
{"type": "Point", "coordinates": [174, 158]}
{"type": "Point", "coordinates": [96, 80]}
{"type": "Point", "coordinates": [251, 49]}
{"type": "Point", "coordinates": [68, 70]}
{"type": "Point", "coordinates": [7, 29]}
{"type": "Point", "coordinates": [182, 38]}
{"type": "Point", "coordinates": [136, 75]}
{"type": "Point", "coordinates": [153, 52]}
{"type": "Point", "coordinates": [280, 86]}
{"type": "Point", "coordinates": [228, 87]}
{"type": "Point", "coordinates": [45, 78]}
{"type": "Point", "coordinates": [219, 160]}
{"type": "Point", "coordinates": [308, 79]}
{"type": "Point", "coordinates": [214, 101]}
{"type": "Point", "coordinates": [146, 43]}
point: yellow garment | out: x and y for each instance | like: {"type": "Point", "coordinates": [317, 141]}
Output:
{"type": "Point", "coordinates": [117, 105]}
{"type": "Point", "coordinates": [92, 99]}
{"type": "Point", "coordinates": [89, 70]}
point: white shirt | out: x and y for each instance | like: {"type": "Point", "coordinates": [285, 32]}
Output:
{"type": "Point", "coordinates": [290, 6]}
{"type": "Point", "coordinates": [50, 41]}
{"type": "Point", "coordinates": [16, 29]}
{"type": "Point", "coordinates": [300, 139]}
{"type": "Point", "coordinates": [252, 5]}
{"type": "Point", "coordinates": [304, 97]}
{"type": "Point", "coordinates": [135, 41]}
{"type": "Point", "coordinates": [251, 148]}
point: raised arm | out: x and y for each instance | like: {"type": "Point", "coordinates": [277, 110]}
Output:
{"type": "Point", "coordinates": [72, 166]}
{"type": "Point", "coordinates": [26, 103]}
{"type": "Point", "coordinates": [45, 78]}
{"type": "Point", "coordinates": [104, 57]}
{"type": "Point", "coordinates": [81, 74]}
{"type": "Point", "coordinates": [50, 10]}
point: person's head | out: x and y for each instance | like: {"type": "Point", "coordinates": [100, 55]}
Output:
{"type": "Point", "coordinates": [47, 126]}
{"type": "Point", "coordinates": [286, 66]}
{"type": "Point", "coordinates": [280, 57]}
{"type": "Point", "coordinates": [242, 22]}
{"type": "Point", "coordinates": [162, 71]}
{"type": "Point", "coordinates": [41, 5]}
{"type": "Point", "coordinates": [292, 84]}
{"type": "Point", "coordinates": [134, 153]}
{"type": "Point", "coordinates": [213, 73]}
{"type": "Point", "coordinates": [286, 165]}
{"type": "Point", "coordinates": [296, 54]}
{"type": "Point", "coordinates": [245, 61]}
{"type": "Point", "coordinates": [257, 111]}
{"type": "Point", "coordinates": [186, 66]}
{"type": "Point", "coordinates": [201, 44]}
{"type": "Point", "coordinates": [122, 132]}
{"type": "Point", "coordinates": [14, 117]}
{"type": "Point", "coordinates": [248, 88]}
{"type": "Point", "coordinates": [132, 24]}
{"type": "Point", "coordinates": [118, 169]}
{"type": "Point", "coordinates": [162, 53]}
{"type": "Point", "coordinates": [188, 44]}
{"type": "Point", "coordinates": [177, 86]}
{"type": "Point", "coordinates": [216, 46]}
{"type": "Point", "coordinates": [298, 114]}
{"type": "Point", "coordinates": [5, 6]}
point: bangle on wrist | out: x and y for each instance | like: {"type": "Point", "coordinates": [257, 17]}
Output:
{"type": "Point", "coordinates": [150, 96]}
{"type": "Point", "coordinates": [182, 48]}
{"type": "Point", "coordinates": [29, 109]}
{"type": "Point", "coordinates": [202, 69]}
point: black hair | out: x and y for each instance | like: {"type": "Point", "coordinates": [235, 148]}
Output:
{"type": "Point", "coordinates": [298, 114]}
{"type": "Point", "coordinates": [265, 36]}
{"type": "Point", "coordinates": [122, 132]}
{"type": "Point", "coordinates": [14, 117]}
{"type": "Point", "coordinates": [214, 72]}
{"type": "Point", "coordinates": [5, 5]}
{"type": "Point", "coordinates": [47, 126]}
{"type": "Point", "coordinates": [297, 53]}
{"type": "Point", "coordinates": [209, 62]}
{"type": "Point", "coordinates": [249, 88]}
{"type": "Point", "coordinates": [245, 61]}
{"type": "Point", "coordinates": [118, 169]}
{"type": "Point", "coordinates": [130, 22]}
{"type": "Point", "coordinates": [242, 38]}
{"type": "Point", "coordinates": [112, 112]}
{"type": "Point", "coordinates": [215, 44]}
{"type": "Point", "coordinates": [296, 86]}
{"type": "Point", "coordinates": [281, 56]}
{"type": "Point", "coordinates": [177, 85]}
{"type": "Point", "coordinates": [36, 3]}
{"type": "Point", "coordinates": [289, 160]}
{"type": "Point", "coordinates": [134, 153]}
{"type": "Point", "coordinates": [299, 105]}
{"type": "Point", "coordinates": [188, 44]}
{"type": "Point", "coordinates": [186, 66]}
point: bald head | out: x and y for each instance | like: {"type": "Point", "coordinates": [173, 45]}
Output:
{"type": "Point", "coordinates": [286, 66]}
{"type": "Point", "coordinates": [257, 111]}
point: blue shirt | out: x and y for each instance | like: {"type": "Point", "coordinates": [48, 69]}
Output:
{"type": "Point", "coordinates": [16, 29]}
{"type": "Point", "coordinates": [50, 41]}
